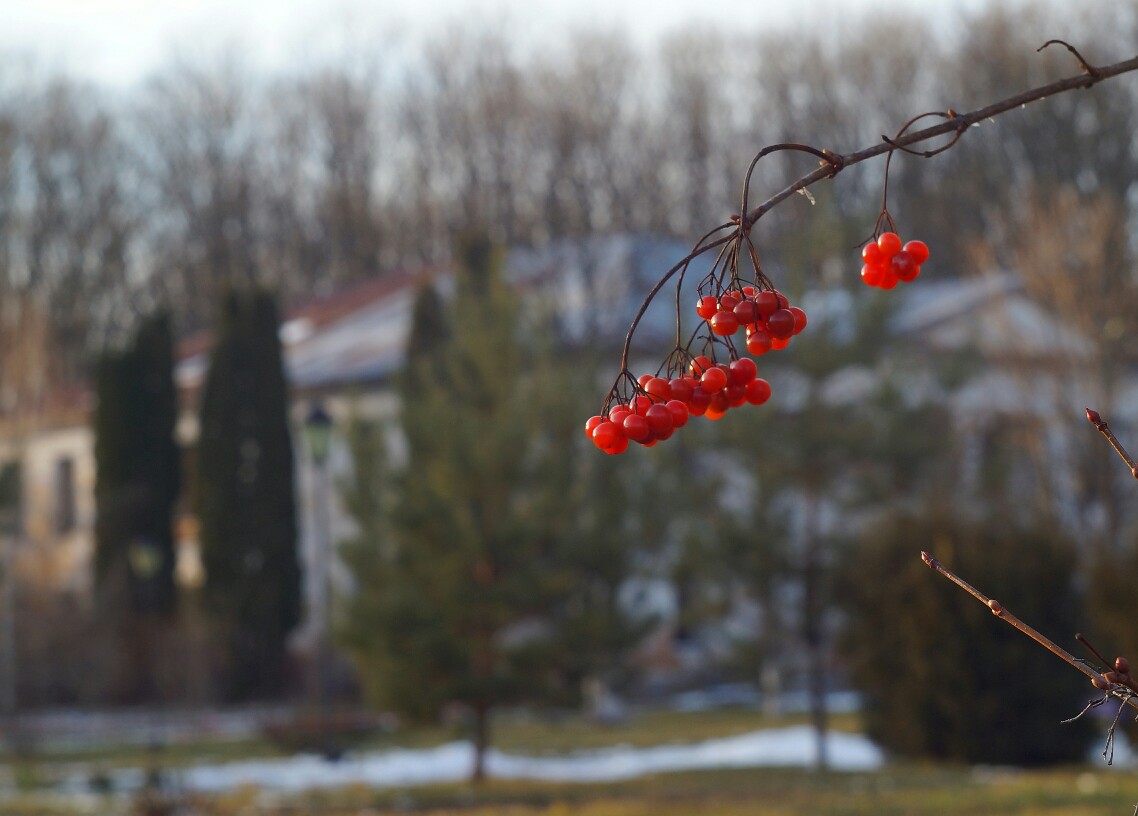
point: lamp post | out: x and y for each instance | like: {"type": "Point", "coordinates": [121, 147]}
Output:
{"type": "Point", "coordinates": [318, 428]}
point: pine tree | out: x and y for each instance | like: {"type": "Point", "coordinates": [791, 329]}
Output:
{"type": "Point", "coordinates": [477, 588]}
{"type": "Point", "coordinates": [246, 500]}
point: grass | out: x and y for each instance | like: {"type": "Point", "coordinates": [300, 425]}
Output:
{"type": "Point", "coordinates": [897, 790]}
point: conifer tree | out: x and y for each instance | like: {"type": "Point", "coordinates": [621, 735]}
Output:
{"type": "Point", "coordinates": [478, 588]}
{"type": "Point", "coordinates": [246, 501]}
{"type": "Point", "coordinates": [138, 464]}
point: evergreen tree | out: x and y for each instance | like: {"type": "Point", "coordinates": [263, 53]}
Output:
{"type": "Point", "coordinates": [942, 678]}
{"type": "Point", "coordinates": [246, 501]}
{"type": "Point", "coordinates": [479, 588]}
{"type": "Point", "coordinates": [138, 464]}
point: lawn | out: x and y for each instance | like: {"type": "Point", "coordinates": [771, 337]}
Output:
{"type": "Point", "coordinates": [898, 789]}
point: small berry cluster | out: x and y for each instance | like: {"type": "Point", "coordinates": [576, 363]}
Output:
{"type": "Point", "coordinates": [887, 263]}
{"type": "Point", "coordinates": [707, 389]}
{"type": "Point", "coordinates": [764, 314]}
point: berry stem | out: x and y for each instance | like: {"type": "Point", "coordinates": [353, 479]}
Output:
{"type": "Point", "coordinates": [1101, 426]}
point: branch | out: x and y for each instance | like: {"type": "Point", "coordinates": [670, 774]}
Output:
{"type": "Point", "coordinates": [1100, 424]}
{"type": "Point", "coordinates": [956, 123]}
{"type": "Point", "coordinates": [1102, 682]}
{"type": "Point", "coordinates": [832, 163]}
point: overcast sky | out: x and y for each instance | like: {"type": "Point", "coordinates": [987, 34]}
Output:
{"type": "Point", "coordinates": [117, 42]}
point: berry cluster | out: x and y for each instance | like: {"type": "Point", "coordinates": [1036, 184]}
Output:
{"type": "Point", "coordinates": [707, 389]}
{"type": "Point", "coordinates": [764, 314]}
{"type": "Point", "coordinates": [887, 263]}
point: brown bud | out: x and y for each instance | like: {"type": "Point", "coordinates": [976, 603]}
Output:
{"type": "Point", "coordinates": [1093, 416]}
{"type": "Point", "coordinates": [1122, 665]}
{"type": "Point", "coordinates": [1112, 676]}
{"type": "Point", "coordinates": [1101, 683]}
{"type": "Point", "coordinates": [994, 605]}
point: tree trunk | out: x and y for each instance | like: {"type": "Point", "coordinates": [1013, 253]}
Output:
{"type": "Point", "coordinates": [815, 646]}
{"type": "Point", "coordinates": [481, 739]}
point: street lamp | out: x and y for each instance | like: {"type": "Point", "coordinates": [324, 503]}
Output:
{"type": "Point", "coordinates": [318, 434]}
{"type": "Point", "coordinates": [318, 428]}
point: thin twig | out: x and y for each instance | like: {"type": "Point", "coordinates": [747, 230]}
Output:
{"type": "Point", "coordinates": [1104, 429]}
{"type": "Point", "coordinates": [1097, 679]}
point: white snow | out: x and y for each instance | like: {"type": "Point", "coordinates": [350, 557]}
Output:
{"type": "Point", "coordinates": [784, 747]}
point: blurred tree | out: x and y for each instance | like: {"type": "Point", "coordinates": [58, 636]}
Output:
{"type": "Point", "coordinates": [482, 588]}
{"type": "Point", "coordinates": [942, 679]}
{"type": "Point", "coordinates": [138, 468]}
{"type": "Point", "coordinates": [246, 502]}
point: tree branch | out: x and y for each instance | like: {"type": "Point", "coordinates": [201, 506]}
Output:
{"type": "Point", "coordinates": [833, 163]}
{"type": "Point", "coordinates": [1100, 424]}
{"type": "Point", "coordinates": [1099, 681]}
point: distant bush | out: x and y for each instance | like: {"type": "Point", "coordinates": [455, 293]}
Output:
{"type": "Point", "coordinates": [942, 677]}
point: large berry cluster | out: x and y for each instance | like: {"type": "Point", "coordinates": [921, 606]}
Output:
{"type": "Point", "coordinates": [886, 263]}
{"type": "Point", "coordinates": [702, 386]}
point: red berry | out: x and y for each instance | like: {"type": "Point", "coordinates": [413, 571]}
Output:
{"type": "Point", "coordinates": [871, 254]}
{"type": "Point", "coordinates": [640, 404]}
{"type": "Point", "coordinates": [799, 318]}
{"type": "Point", "coordinates": [779, 343]}
{"type": "Point", "coordinates": [592, 423]}
{"type": "Point", "coordinates": [618, 413]}
{"type": "Point", "coordinates": [757, 391]}
{"type": "Point", "coordinates": [758, 342]}
{"type": "Point", "coordinates": [780, 324]}
{"type": "Point", "coordinates": [643, 379]}
{"type": "Point", "coordinates": [699, 365]}
{"type": "Point", "coordinates": [658, 387]}
{"type": "Point", "coordinates": [736, 395]}
{"type": "Point", "coordinates": [743, 371]}
{"type": "Point", "coordinates": [607, 434]}
{"type": "Point", "coordinates": [902, 266]}
{"type": "Point", "coordinates": [679, 413]}
{"type": "Point", "coordinates": [872, 275]}
{"type": "Point", "coordinates": [719, 404]}
{"type": "Point", "coordinates": [729, 300]}
{"type": "Point", "coordinates": [919, 250]}
{"type": "Point", "coordinates": [724, 323]}
{"type": "Point", "coordinates": [659, 420]}
{"type": "Point", "coordinates": [699, 401]}
{"type": "Point", "coordinates": [746, 312]}
{"type": "Point", "coordinates": [767, 302]}
{"type": "Point", "coordinates": [707, 306]}
{"type": "Point", "coordinates": [889, 243]}
{"type": "Point", "coordinates": [888, 279]}
{"type": "Point", "coordinates": [637, 428]}
{"type": "Point", "coordinates": [617, 447]}
{"type": "Point", "coordinates": [713, 380]}
{"type": "Point", "coordinates": [680, 388]}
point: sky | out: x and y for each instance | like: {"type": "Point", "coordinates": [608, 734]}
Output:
{"type": "Point", "coordinates": [119, 42]}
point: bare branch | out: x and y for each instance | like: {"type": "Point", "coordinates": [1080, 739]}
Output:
{"type": "Point", "coordinates": [1103, 682]}
{"type": "Point", "coordinates": [1100, 424]}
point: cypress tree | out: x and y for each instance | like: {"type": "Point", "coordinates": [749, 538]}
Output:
{"type": "Point", "coordinates": [246, 500]}
{"type": "Point", "coordinates": [138, 468]}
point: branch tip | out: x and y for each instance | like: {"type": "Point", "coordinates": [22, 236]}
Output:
{"type": "Point", "coordinates": [1094, 418]}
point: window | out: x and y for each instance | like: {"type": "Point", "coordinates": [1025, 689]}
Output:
{"type": "Point", "coordinates": [64, 494]}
